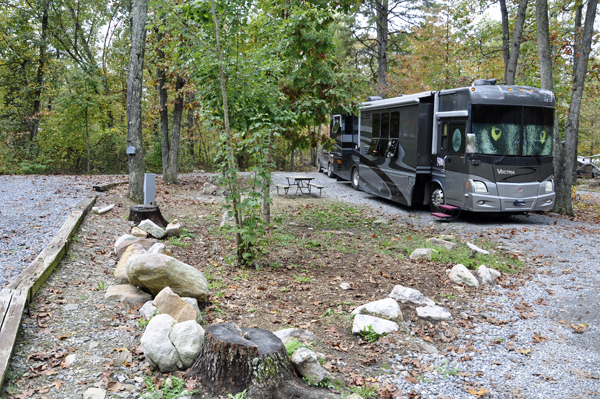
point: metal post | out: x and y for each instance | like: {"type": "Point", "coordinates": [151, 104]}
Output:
{"type": "Point", "coordinates": [149, 188]}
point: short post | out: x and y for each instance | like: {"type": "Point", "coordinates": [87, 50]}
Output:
{"type": "Point", "coordinates": [149, 188]}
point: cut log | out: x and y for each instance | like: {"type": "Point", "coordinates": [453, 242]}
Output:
{"type": "Point", "coordinates": [107, 186]}
{"type": "Point", "coordinates": [233, 360]}
{"type": "Point", "coordinates": [137, 213]}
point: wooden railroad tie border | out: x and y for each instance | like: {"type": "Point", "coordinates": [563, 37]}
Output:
{"type": "Point", "coordinates": [21, 290]}
{"type": "Point", "coordinates": [107, 186]}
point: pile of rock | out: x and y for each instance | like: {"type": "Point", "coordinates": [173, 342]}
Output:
{"type": "Point", "coordinates": [305, 361]}
{"type": "Point", "coordinates": [173, 338]}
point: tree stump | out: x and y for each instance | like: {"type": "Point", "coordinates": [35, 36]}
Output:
{"type": "Point", "coordinates": [233, 360]}
{"type": "Point", "coordinates": [137, 213]}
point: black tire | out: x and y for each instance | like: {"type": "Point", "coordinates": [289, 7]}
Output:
{"type": "Point", "coordinates": [355, 179]}
{"type": "Point", "coordinates": [437, 198]}
{"type": "Point", "coordinates": [330, 170]}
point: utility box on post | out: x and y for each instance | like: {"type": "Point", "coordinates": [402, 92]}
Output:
{"type": "Point", "coordinates": [149, 188]}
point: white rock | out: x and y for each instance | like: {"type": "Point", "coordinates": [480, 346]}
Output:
{"type": "Point", "coordinates": [420, 253]}
{"type": "Point", "coordinates": [158, 248]}
{"type": "Point", "coordinates": [434, 313]}
{"type": "Point", "coordinates": [405, 294]}
{"type": "Point", "coordinates": [495, 273]}
{"type": "Point", "coordinates": [173, 229]}
{"type": "Point", "coordinates": [438, 242]}
{"type": "Point", "coordinates": [307, 365]}
{"type": "Point", "coordinates": [157, 346]}
{"type": "Point", "coordinates": [194, 303]}
{"type": "Point", "coordinates": [483, 276]}
{"type": "Point", "coordinates": [301, 335]}
{"type": "Point", "coordinates": [94, 393]}
{"type": "Point", "coordinates": [100, 211]}
{"type": "Point", "coordinates": [152, 228]}
{"type": "Point", "coordinates": [477, 250]}
{"type": "Point", "coordinates": [345, 286]}
{"type": "Point", "coordinates": [69, 360]}
{"type": "Point", "coordinates": [380, 326]}
{"type": "Point", "coordinates": [123, 238]}
{"type": "Point", "coordinates": [354, 396]}
{"type": "Point", "coordinates": [387, 307]}
{"type": "Point", "coordinates": [187, 337]}
{"type": "Point", "coordinates": [148, 310]}
{"type": "Point", "coordinates": [210, 189]}
{"type": "Point", "coordinates": [459, 274]}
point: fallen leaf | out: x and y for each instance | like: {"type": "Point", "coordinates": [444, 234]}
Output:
{"type": "Point", "coordinates": [479, 392]}
{"type": "Point", "coordinates": [537, 337]}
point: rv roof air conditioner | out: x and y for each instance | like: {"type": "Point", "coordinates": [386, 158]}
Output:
{"type": "Point", "coordinates": [485, 82]}
{"type": "Point", "coordinates": [373, 98]}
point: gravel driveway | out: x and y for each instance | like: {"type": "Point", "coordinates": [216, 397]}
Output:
{"type": "Point", "coordinates": [540, 356]}
{"type": "Point", "coordinates": [32, 209]}
{"type": "Point", "coordinates": [537, 356]}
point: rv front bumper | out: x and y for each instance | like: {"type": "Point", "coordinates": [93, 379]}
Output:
{"type": "Point", "coordinates": [484, 202]}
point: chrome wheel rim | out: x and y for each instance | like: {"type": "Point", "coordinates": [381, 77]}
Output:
{"type": "Point", "coordinates": [437, 197]}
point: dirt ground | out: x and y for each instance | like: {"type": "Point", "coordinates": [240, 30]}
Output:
{"type": "Point", "coordinates": [314, 246]}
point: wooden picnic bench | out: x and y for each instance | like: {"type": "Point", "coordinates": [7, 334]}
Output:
{"type": "Point", "coordinates": [283, 187]}
{"type": "Point", "coordinates": [315, 186]}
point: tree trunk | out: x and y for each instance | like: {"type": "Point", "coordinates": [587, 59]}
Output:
{"type": "Point", "coordinates": [511, 69]}
{"type": "Point", "coordinates": [134, 100]}
{"type": "Point", "coordinates": [190, 126]}
{"type": "Point", "coordinates": [233, 360]}
{"type": "Point", "coordinates": [163, 102]}
{"type": "Point", "coordinates": [382, 10]}
{"type": "Point", "coordinates": [577, 36]}
{"type": "Point", "coordinates": [546, 81]}
{"type": "Point", "coordinates": [137, 213]}
{"type": "Point", "coordinates": [230, 164]}
{"type": "Point", "coordinates": [572, 127]}
{"type": "Point", "coordinates": [505, 36]}
{"type": "Point", "coordinates": [171, 174]}
{"type": "Point", "coordinates": [39, 78]}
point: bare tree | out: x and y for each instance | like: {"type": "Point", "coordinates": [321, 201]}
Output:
{"type": "Point", "coordinates": [134, 100]}
{"type": "Point", "coordinates": [564, 180]}
{"type": "Point", "coordinates": [511, 56]}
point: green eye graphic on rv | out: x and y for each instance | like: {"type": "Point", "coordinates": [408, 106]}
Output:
{"type": "Point", "coordinates": [496, 133]}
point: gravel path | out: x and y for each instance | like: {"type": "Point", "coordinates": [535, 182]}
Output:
{"type": "Point", "coordinates": [503, 358]}
{"type": "Point", "coordinates": [32, 209]}
{"type": "Point", "coordinates": [506, 359]}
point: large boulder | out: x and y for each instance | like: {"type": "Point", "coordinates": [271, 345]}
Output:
{"type": "Point", "coordinates": [380, 326]}
{"type": "Point", "coordinates": [187, 337]}
{"type": "Point", "coordinates": [157, 347]}
{"type": "Point", "coordinates": [127, 293]}
{"type": "Point", "coordinates": [152, 228]}
{"type": "Point", "coordinates": [387, 307]}
{"type": "Point", "coordinates": [156, 271]}
{"type": "Point", "coordinates": [307, 365]}
{"type": "Point", "coordinates": [406, 294]}
{"type": "Point", "coordinates": [459, 274]}
{"type": "Point", "coordinates": [148, 310]}
{"type": "Point", "coordinates": [144, 242]}
{"type": "Point", "coordinates": [299, 334]}
{"type": "Point", "coordinates": [121, 270]}
{"type": "Point", "coordinates": [158, 248]}
{"type": "Point", "coordinates": [168, 302]}
{"type": "Point", "coordinates": [194, 303]}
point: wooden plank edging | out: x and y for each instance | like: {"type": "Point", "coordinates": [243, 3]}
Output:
{"type": "Point", "coordinates": [20, 291]}
{"type": "Point", "coordinates": [15, 301]}
{"type": "Point", "coordinates": [108, 186]}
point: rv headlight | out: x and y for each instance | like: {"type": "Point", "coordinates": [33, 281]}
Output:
{"type": "Point", "coordinates": [479, 187]}
{"type": "Point", "coordinates": [549, 186]}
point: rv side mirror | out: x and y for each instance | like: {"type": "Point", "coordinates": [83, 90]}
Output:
{"type": "Point", "coordinates": [470, 143]}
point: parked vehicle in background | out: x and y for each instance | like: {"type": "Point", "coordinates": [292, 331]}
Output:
{"type": "Point", "coordinates": [483, 148]}
{"type": "Point", "coordinates": [325, 162]}
{"type": "Point", "coordinates": [588, 166]}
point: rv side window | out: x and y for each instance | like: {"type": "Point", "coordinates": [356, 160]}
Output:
{"type": "Point", "coordinates": [395, 125]}
{"type": "Point", "coordinates": [457, 138]}
{"type": "Point", "coordinates": [444, 144]}
{"type": "Point", "coordinates": [373, 150]}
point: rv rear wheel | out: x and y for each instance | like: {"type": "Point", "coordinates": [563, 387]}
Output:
{"type": "Point", "coordinates": [355, 178]}
{"type": "Point", "coordinates": [330, 171]}
{"type": "Point", "coordinates": [437, 198]}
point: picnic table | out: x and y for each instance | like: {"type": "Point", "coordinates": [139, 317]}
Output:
{"type": "Point", "coordinates": [303, 184]}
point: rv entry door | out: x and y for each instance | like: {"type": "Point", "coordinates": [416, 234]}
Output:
{"type": "Point", "coordinates": [449, 162]}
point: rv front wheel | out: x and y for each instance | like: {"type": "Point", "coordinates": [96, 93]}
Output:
{"type": "Point", "coordinates": [355, 178]}
{"type": "Point", "coordinates": [437, 198]}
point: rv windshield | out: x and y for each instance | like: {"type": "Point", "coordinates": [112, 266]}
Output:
{"type": "Point", "coordinates": [500, 130]}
